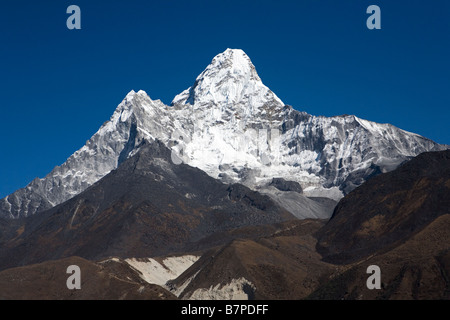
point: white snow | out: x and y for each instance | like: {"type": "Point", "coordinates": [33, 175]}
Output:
{"type": "Point", "coordinates": [115, 259]}
{"type": "Point", "coordinates": [8, 204]}
{"type": "Point", "coordinates": [332, 193]}
{"type": "Point", "coordinates": [230, 79]}
{"type": "Point", "coordinates": [179, 290]}
{"type": "Point", "coordinates": [376, 128]}
{"type": "Point", "coordinates": [230, 291]}
{"type": "Point", "coordinates": [159, 273]}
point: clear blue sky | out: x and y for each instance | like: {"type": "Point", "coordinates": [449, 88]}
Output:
{"type": "Point", "coordinates": [58, 85]}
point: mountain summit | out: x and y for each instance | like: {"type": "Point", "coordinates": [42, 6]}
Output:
{"type": "Point", "coordinates": [234, 128]}
{"type": "Point", "coordinates": [230, 80]}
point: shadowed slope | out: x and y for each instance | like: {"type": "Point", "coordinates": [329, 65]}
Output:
{"type": "Point", "coordinates": [147, 207]}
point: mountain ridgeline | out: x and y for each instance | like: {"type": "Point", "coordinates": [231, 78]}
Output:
{"type": "Point", "coordinates": [234, 128]}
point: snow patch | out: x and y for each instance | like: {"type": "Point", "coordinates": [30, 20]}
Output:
{"type": "Point", "coordinates": [159, 273]}
{"type": "Point", "coordinates": [331, 193]}
{"type": "Point", "coordinates": [179, 290]}
{"type": "Point", "coordinates": [235, 290]}
{"type": "Point", "coordinates": [114, 259]}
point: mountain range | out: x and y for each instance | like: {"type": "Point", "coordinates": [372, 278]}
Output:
{"type": "Point", "coordinates": [230, 125]}
{"type": "Point", "coordinates": [229, 193]}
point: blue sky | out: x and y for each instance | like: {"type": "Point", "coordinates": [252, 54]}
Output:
{"type": "Point", "coordinates": [58, 85]}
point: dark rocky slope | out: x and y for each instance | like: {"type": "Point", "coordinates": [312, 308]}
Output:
{"type": "Point", "coordinates": [109, 280]}
{"type": "Point", "coordinates": [147, 207]}
{"type": "Point", "coordinates": [388, 209]}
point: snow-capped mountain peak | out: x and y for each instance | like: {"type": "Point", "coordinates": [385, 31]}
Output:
{"type": "Point", "coordinates": [235, 62]}
{"type": "Point", "coordinates": [229, 81]}
{"type": "Point", "coordinates": [231, 126]}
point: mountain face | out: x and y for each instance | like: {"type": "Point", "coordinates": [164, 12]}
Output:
{"type": "Point", "coordinates": [106, 280]}
{"type": "Point", "coordinates": [282, 264]}
{"type": "Point", "coordinates": [107, 148]}
{"type": "Point", "coordinates": [230, 125]}
{"type": "Point", "coordinates": [232, 242]}
{"type": "Point", "coordinates": [388, 209]}
{"type": "Point", "coordinates": [416, 268]}
{"type": "Point", "coordinates": [230, 87]}
{"type": "Point", "coordinates": [147, 207]}
{"type": "Point", "coordinates": [398, 221]}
